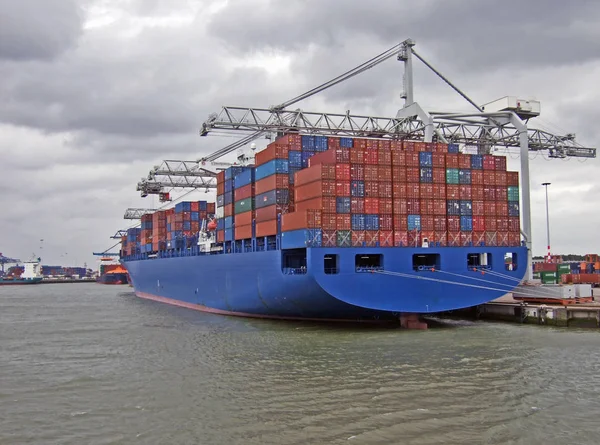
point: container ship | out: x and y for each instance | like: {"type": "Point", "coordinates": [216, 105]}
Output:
{"type": "Point", "coordinates": [29, 273]}
{"type": "Point", "coordinates": [333, 228]}
{"type": "Point", "coordinates": [112, 273]}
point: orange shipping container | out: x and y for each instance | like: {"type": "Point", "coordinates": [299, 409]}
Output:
{"type": "Point", "coordinates": [266, 228]}
{"type": "Point", "coordinates": [327, 204]}
{"type": "Point", "coordinates": [315, 189]}
{"type": "Point", "coordinates": [243, 232]}
{"type": "Point", "coordinates": [271, 183]}
{"type": "Point", "coordinates": [274, 150]}
{"type": "Point", "coordinates": [309, 219]}
{"type": "Point", "coordinates": [244, 219]}
{"type": "Point", "coordinates": [314, 173]}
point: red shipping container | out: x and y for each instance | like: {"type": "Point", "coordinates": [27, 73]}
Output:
{"type": "Point", "coordinates": [489, 193]}
{"type": "Point", "coordinates": [357, 172]}
{"type": "Point", "coordinates": [478, 224]}
{"type": "Point", "coordinates": [478, 208]}
{"type": "Point", "coordinates": [386, 238]}
{"type": "Point", "coordinates": [360, 143]}
{"type": "Point", "coordinates": [210, 207]}
{"type": "Point", "coordinates": [329, 238]}
{"type": "Point", "coordinates": [464, 161]}
{"type": "Point", "coordinates": [501, 178]}
{"type": "Point", "coordinates": [489, 208]}
{"type": "Point", "coordinates": [413, 174]}
{"type": "Point", "coordinates": [357, 155]}
{"type": "Point", "coordinates": [451, 160]}
{"type": "Point", "coordinates": [227, 210]}
{"type": "Point", "coordinates": [358, 238]}
{"type": "Point", "coordinates": [439, 191]}
{"type": "Point", "coordinates": [385, 189]}
{"type": "Point", "coordinates": [477, 177]}
{"type": "Point", "coordinates": [400, 206]}
{"type": "Point", "coordinates": [478, 238]}
{"type": "Point", "coordinates": [315, 173]}
{"type": "Point", "coordinates": [372, 144]}
{"type": "Point", "coordinates": [514, 239]}
{"type": "Point", "coordinates": [329, 221]}
{"type": "Point", "coordinates": [454, 239]}
{"type": "Point", "coordinates": [501, 208]}
{"type": "Point", "coordinates": [439, 160]}
{"type": "Point", "coordinates": [420, 146]}
{"type": "Point", "coordinates": [332, 156]}
{"type": "Point", "coordinates": [413, 191]}
{"type": "Point", "coordinates": [412, 160]}
{"type": "Point", "coordinates": [453, 223]}
{"type": "Point", "coordinates": [343, 222]}
{"type": "Point", "coordinates": [427, 207]}
{"type": "Point", "coordinates": [477, 192]}
{"type": "Point", "coordinates": [371, 173]}
{"type": "Point", "coordinates": [244, 192]}
{"type": "Point", "coordinates": [439, 175]}
{"type": "Point", "coordinates": [266, 228]}
{"type": "Point", "coordinates": [413, 206]}
{"type": "Point", "coordinates": [399, 190]}
{"type": "Point", "coordinates": [512, 178]}
{"type": "Point", "coordinates": [371, 157]}
{"type": "Point", "coordinates": [244, 219]}
{"type": "Point", "coordinates": [466, 238]}
{"type": "Point", "coordinates": [465, 192]}
{"type": "Point", "coordinates": [427, 223]}
{"type": "Point", "coordinates": [398, 158]}
{"type": "Point", "coordinates": [401, 223]}
{"type": "Point", "coordinates": [386, 222]}
{"type": "Point", "coordinates": [371, 237]}
{"type": "Point", "coordinates": [384, 144]}
{"type": "Point", "coordinates": [372, 205]}
{"type": "Point", "coordinates": [502, 239]}
{"type": "Point", "coordinates": [385, 204]}
{"type": "Point", "coordinates": [333, 142]}
{"type": "Point", "coordinates": [502, 224]}
{"type": "Point", "coordinates": [326, 204]}
{"type": "Point", "coordinates": [426, 191]}
{"type": "Point", "coordinates": [488, 162]}
{"type": "Point", "coordinates": [400, 238]}
{"type": "Point", "coordinates": [441, 238]}
{"type": "Point", "coordinates": [514, 224]}
{"type": "Point", "coordinates": [491, 223]}
{"type": "Point", "coordinates": [194, 206]}
{"type": "Point", "coordinates": [452, 191]}
{"type": "Point", "coordinates": [221, 177]}
{"type": "Point", "coordinates": [244, 232]}
{"type": "Point", "coordinates": [342, 188]}
{"type": "Point", "coordinates": [440, 224]}
{"type": "Point", "coordinates": [266, 213]}
{"type": "Point", "coordinates": [371, 189]}
{"type": "Point", "coordinates": [439, 207]}
{"type": "Point", "coordinates": [314, 190]}
{"type": "Point", "coordinates": [501, 193]}
{"type": "Point", "coordinates": [271, 183]}
{"type": "Point", "coordinates": [399, 174]}
{"type": "Point", "coordinates": [384, 173]}
{"type": "Point", "coordinates": [342, 172]}
{"type": "Point", "coordinates": [441, 147]}
{"type": "Point", "coordinates": [384, 155]}
{"type": "Point", "coordinates": [414, 238]}
{"type": "Point", "coordinates": [310, 219]}
{"type": "Point", "coordinates": [274, 150]}
{"type": "Point", "coordinates": [220, 188]}
{"type": "Point", "coordinates": [357, 205]}
{"type": "Point", "coordinates": [500, 163]}
{"type": "Point", "coordinates": [408, 146]}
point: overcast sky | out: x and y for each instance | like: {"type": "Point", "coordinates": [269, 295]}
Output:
{"type": "Point", "coordinates": [93, 93]}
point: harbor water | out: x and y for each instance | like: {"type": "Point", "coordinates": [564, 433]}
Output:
{"type": "Point", "coordinates": [93, 364]}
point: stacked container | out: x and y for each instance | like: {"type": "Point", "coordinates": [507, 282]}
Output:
{"type": "Point", "coordinates": [243, 198]}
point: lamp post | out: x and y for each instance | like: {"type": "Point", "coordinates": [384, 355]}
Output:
{"type": "Point", "coordinates": [546, 184]}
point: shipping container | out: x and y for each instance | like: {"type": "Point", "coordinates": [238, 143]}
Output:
{"type": "Point", "coordinates": [384, 154]}
{"type": "Point", "coordinates": [371, 189]}
{"type": "Point", "coordinates": [343, 204]}
{"type": "Point", "coordinates": [477, 162]}
{"type": "Point", "coordinates": [513, 193]}
{"type": "Point", "coordinates": [344, 238]}
{"type": "Point", "coordinates": [270, 168]}
{"type": "Point", "coordinates": [315, 173]}
{"type": "Point", "coordinates": [464, 176]}
{"type": "Point", "coordinates": [358, 221]}
{"type": "Point", "coordinates": [343, 222]}
{"type": "Point", "coordinates": [326, 204]}
{"type": "Point", "coordinates": [513, 209]}
{"type": "Point", "coordinates": [452, 161]}
{"type": "Point", "coordinates": [314, 190]}
{"type": "Point", "coordinates": [269, 213]}
{"type": "Point", "coordinates": [357, 205]}
{"type": "Point", "coordinates": [426, 174]}
{"type": "Point", "coordinates": [357, 189]}
{"type": "Point", "coordinates": [512, 179]}
{"type": "Point", "coordinates": [452, 176]}
{"type": "Point", "coordinates": [427, 206]}
{"type": "Point", "coordinates": [294, 159]}
{"type": "Point", "coordinates": [295, 239]}
{"type": "Point", "coordinates": [466, 223]}
{"type": "Point", "coordinates": [272, 182]}
{"type": "Point", "coordinates": [244, 205]}
{"type": "Point", "coordinates": [233, 171]}
{"type": "Point", "coordinates": [244, 178]}
{"type": "Point", "coordinates": [309, 219]}
{"type": "Point", "coordinates": [357, 172]}
{"type": "Point", "coordinates": [399, 174]}
{"type": "Point", "coordinates": [372, 222]}
{"type": "Point", "coordinates": [453, 207]}
{"type": "Point", "coordinates": [488, 162]}
{"type": "Point", "coordinates": [333, 156]}
{"type": "Point", "coordinates": [425, 159]}
{"type": "Point", "coordinates": [244, 192]}
{"type": "Point", "coordinates": [266, 228]}
{"type": "Point", "coordinates": [414, 222]}
{"type": "Point", "coordinates": [357, 156]}
{"type": "Point", "coordinates": [272, 197]}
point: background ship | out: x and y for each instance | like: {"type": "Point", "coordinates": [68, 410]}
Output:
{"type": "Point", "coordinates": [349, 217]}
{"type": "Point", "coordinates": [112, 272]}
{"type": "Point", "coordinates": [28, 273]}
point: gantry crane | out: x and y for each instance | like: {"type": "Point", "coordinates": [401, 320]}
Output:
{"type": "Point", "coordinates": [6, 260]}
{"type": "Point", "coordinates": [132, 213]}
{"type": "Point", "coordinates": [484, 129]}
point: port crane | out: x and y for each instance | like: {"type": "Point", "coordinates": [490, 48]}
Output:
{"type": "Point", "coordinates": [484, 128]}
{"type": "Point", "coordinates": [6, 260]}
{"type": "Point", "coordinates": [133, 213]}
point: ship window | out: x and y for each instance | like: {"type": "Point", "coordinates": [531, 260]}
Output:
{"type": "Point", "coordinates": [368, 262]}
{"type": "Point", "coordinates": [330, 264]}
{"type": "Point", "coordinates": [510, 261]}
{"type": "Point", "coordinates": [293, 261]}
{"type": "Point", "coordinates": [479, 261]}
{"type": "Point", "coordinates": [426, 261]}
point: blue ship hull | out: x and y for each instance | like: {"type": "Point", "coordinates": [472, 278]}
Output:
{"type": "Point", "coordinates": [254, 284]}
{"type": "Point", "coordinates": [19, 281]}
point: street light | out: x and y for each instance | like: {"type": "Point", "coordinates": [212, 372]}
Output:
{"type": "Point", "coordinates": [546, 184]}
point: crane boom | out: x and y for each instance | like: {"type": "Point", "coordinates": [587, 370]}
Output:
{"type": "Point", "coordinates": [137, 213]}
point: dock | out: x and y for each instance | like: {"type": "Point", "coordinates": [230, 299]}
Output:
{"type": "Point", "coordinates": [509, 309]}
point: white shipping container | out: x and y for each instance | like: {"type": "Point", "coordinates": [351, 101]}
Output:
{"type": "Point", "coordinates": [583, 290]}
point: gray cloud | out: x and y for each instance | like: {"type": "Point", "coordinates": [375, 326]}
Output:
{"type": "Point", "coordinates": [31, 29]}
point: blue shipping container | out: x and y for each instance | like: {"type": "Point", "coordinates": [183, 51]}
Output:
{"type": "Point", "coordinates": [372, 222]}
{"type": "Point", "coordinates": [221, 224]}
{"type": "Point", "coordinates": [453, 148]}
{"type": "Point", "coordinates": [228, 234]}
{"type": "Point", "coordinates": [295, 239]}
{"type": "Point", "coordinates": [426, 174]}
{"type": "Point", "coordinates": [168, 227]}
{"type": "Point", "coordinates": [414, 222]}
{"type": "Point", "coordinates": [181, 207]}
{"type": "Point", "coordinates": [187, 225]}
{"type": "Point", "coordinates": [343, 205]}
{"type": "Point", "coordinates": [357, 189]}
{"type": "Point", "coordinates": [464, 176]}
{"type": "Point", "coordinates": [228, 185]}
{"type": "Point", "coordinates": [321, 143]}
{"type": "Point", "coordinates": [272, 197]}
{"type": "Point", "coordinates": [228, 198]}
{"type": "Point", "coordinates": [202, 206]}
{"type": "Point", "coordinates": [220, 200]}
{"type": "Point", "coordinates": [426, 159]}
{"type": "Point", "coordinates": [233, 171]}
{"type": "Point", "coordinates": [477, 162]}
{"type": "Point", "coordinates": [295, 159]}
{"type": "Point", "coordinates": [466, 223]}
{"type": "Point", "coordinates": [244, 178]}
{"type": "Point", "coordinates": [195, 216]}
{"type": "Point", "coordinates": [270, 168]}
{"type": "Point", "coordinates": [293, 171]}
{"type": "Point", "coordinates": [453, 207]}
{"type": "Point", "coordinates": [513, 208]}
{"type": "Point", "coordinates": [308, 143]}
{"type": "Point", "coordinates": [306, 155]}
{"type": "Point", "coordinates": [466, 207]}
{"type": "Point", "coordinates": [358, 221]}
{"type": "Point", "coordinates": [346, 142]}
{"type": "Point", "coordinates": [228, 222]}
